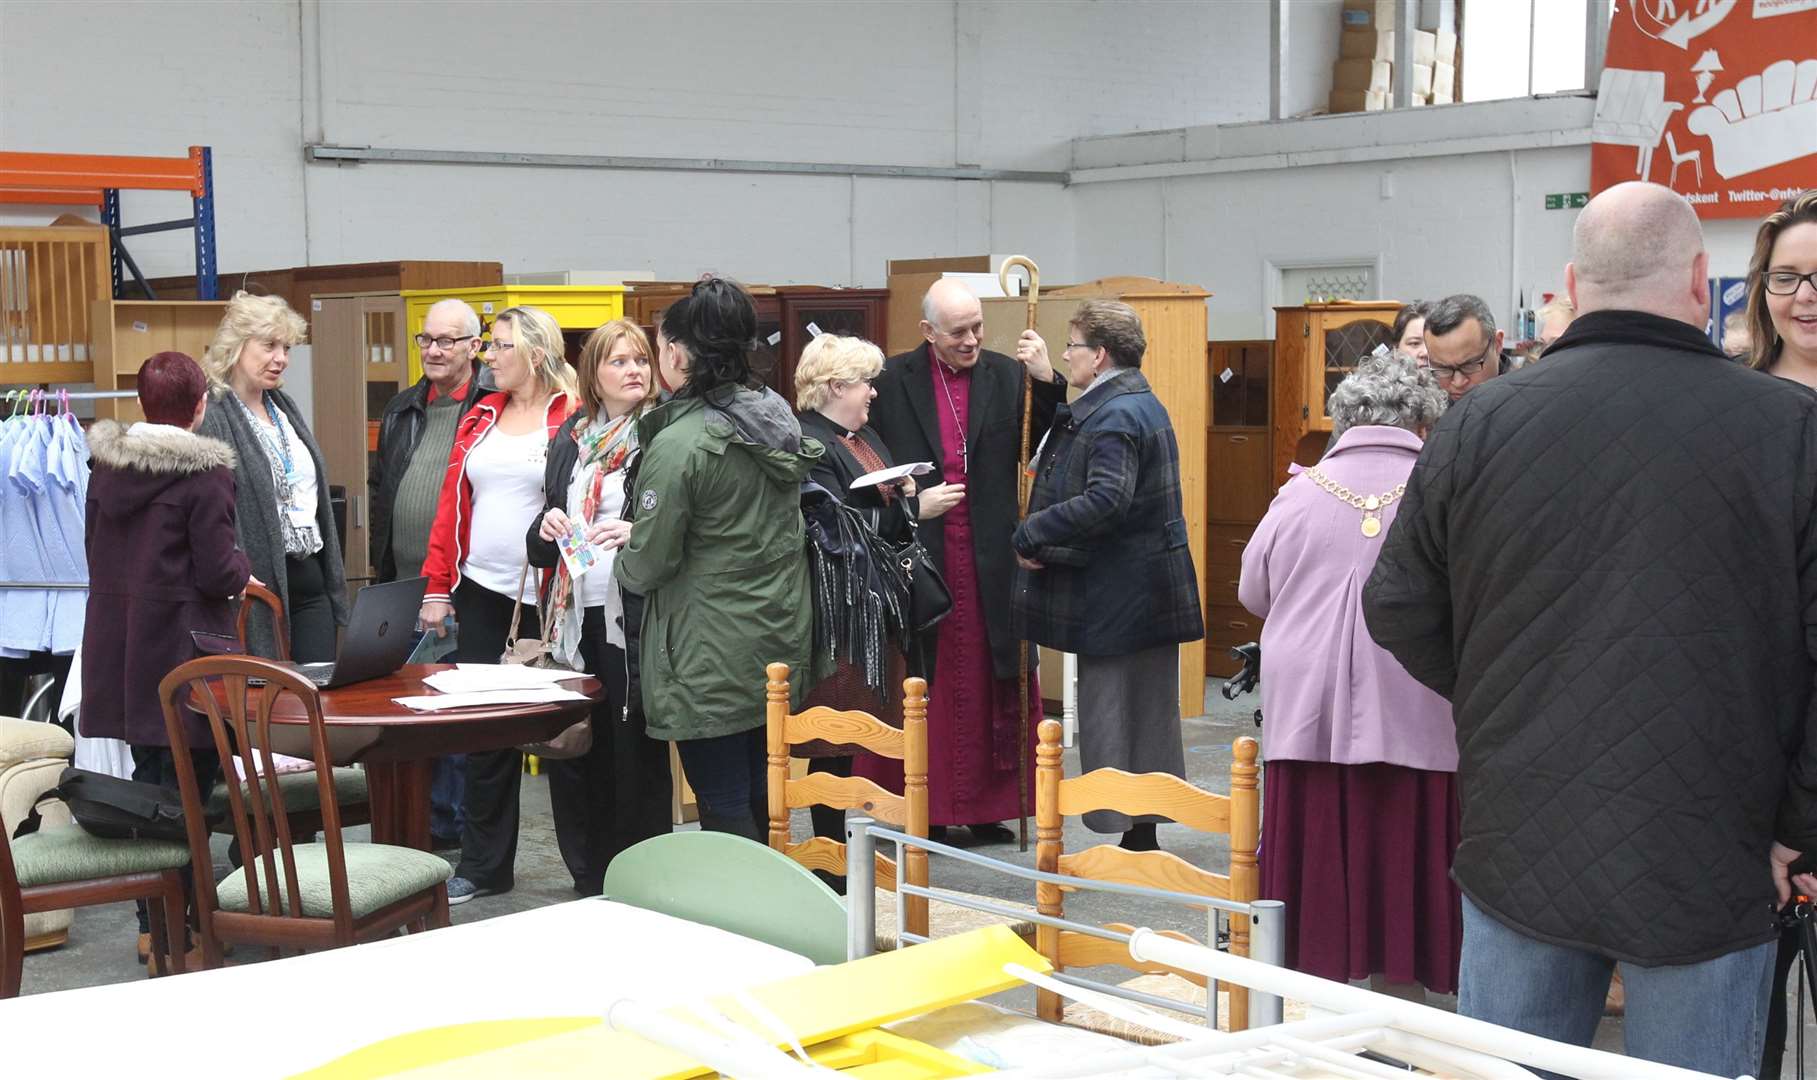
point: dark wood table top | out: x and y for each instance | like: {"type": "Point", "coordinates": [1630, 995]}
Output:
{"type": "Point", "coordinates": [365, 726]}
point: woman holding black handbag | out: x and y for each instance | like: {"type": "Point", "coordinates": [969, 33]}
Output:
{"type": "Point", "coordinates": [833, 391]}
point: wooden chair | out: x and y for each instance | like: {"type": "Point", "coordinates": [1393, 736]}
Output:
{"type": "Point", "coordinates": [286, 895]}
{"type": "Point", "coordinates": [64, 866]}
{"type": "Point", "coordinates": [1238, 815]}
{"type": "Point", "coordinates": [351, 792]}
{"type": "Point", "coordinates": [737, 885]}
{"type": "Point", "coordinates": [907, 811]}
{"type": "Point", "coordinates": [279, 627]}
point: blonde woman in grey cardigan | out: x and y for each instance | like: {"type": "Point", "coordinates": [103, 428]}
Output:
{"type": "Point", "coordinates": [285, 523]}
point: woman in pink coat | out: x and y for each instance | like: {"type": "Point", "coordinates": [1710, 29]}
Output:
{"type": "Point", "coordinates": [1360, 794]}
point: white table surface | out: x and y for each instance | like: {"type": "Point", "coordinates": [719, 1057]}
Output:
{"type": "Point", "coordinates": [283, 1016]}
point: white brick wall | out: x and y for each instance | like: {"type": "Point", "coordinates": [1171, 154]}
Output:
{"type": "Point", "coordinates": [995, 83]}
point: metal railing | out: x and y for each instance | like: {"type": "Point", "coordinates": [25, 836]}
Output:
{"type": "Point", "coordinates": [1267, 918]}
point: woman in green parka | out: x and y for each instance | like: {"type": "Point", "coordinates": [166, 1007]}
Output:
{"type": "Point", "coordinates": [717, 551]}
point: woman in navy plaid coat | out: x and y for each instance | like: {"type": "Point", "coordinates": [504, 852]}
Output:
{"type": "Point", "coordinates": [1103, 570]}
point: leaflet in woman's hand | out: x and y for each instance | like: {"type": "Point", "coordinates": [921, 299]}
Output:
{"type": "Point", "coordinates": [894, 472]}
{"type": "Point", "coordinates": [579, 554]}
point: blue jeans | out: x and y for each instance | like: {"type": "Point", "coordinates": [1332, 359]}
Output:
{"type": "Point", "coordinates": [1709, 1016]}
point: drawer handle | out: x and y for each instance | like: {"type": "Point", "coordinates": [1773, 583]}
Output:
{"type": "Point", "coordinates": [1235, 625]}
{"type": "Point", "coordinates": [1239, 438]}
{"type": "Point", "coordinates": [1237, 543]}
{"type": "Point", "coordinates": [1234, 584]}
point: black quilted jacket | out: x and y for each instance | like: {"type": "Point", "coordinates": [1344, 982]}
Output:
{"type": "Point", "coordinates": [1608, 561]}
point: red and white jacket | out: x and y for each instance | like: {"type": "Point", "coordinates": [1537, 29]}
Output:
{"type": "Point", "coordinates": [448, 537]}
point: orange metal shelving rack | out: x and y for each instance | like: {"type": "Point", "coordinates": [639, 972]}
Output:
{"type": "Point", "coordinates": [98, 179]}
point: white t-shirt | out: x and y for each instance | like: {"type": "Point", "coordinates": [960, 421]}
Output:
{"type": "Point", "coordinates": [507, 476]}
{"type": "Point", "coordinates": [596, 584]}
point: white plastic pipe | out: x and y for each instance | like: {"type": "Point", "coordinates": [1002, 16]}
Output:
{"type": "Point", "coordinates": [1501, 1042]}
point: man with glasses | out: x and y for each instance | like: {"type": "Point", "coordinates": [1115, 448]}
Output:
{"type": "Point", "coordinates": [1464, 349]}
{"type": "Point", "coordinates": [957, 405]}
{"type": "Point", "coordinates": [416, 434]}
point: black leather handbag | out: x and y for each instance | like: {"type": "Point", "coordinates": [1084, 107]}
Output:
{"type": "Point", "coordinates": [929, 600]}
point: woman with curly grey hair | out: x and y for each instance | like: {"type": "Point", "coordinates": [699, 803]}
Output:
{"type": "Point", "coordinates": [1361, 816]}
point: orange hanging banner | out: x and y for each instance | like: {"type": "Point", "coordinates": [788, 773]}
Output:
{"type": "Point", "coordinates": [1715, 98]}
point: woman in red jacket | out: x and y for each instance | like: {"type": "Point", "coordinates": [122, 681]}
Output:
{"type": "Point", "coordinates": [476, 567]}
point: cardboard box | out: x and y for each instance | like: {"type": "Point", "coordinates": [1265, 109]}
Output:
{"type": "Point", "coordinates": [908, 281]}
{"type": "Point", "coordinates": [1444, 84]}
{"type": "Point", "coordinates": [1444, 49]}
{"type": "Point", "coordinates": [1370, 75]}
{"type": "Point", "coordinates": [1379, 45]}
{"type": "Point", "coordinates": [1422, 81]}
{"type": "Point", "coordinates": [1346, 101]}
{"type": "Point", "coordinates": [1366, 45]}
{"type": "Point", "coordinates": [1369, 14]}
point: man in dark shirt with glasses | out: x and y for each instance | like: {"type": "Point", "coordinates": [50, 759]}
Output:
{"type": "Point", "coordinates": [1464, 349]}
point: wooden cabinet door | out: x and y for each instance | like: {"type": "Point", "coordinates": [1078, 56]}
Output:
{"type": "Point", "coordinates": [1340, 340]}
{"type": "Point", "coordinates": [1239, 490]}
{"type": "Point", "coordinates": [805, 317]}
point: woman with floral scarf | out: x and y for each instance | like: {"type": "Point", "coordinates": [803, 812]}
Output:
{"type": "Point", "coordinates": [618, 792]}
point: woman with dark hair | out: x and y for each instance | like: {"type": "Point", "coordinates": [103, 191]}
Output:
{"type": "Point", "coordinates": [1782, 292]}
{"type": "Point", "coordinates": [617, 793]}
{"type": "Point", "coordinates": [1409, 330]}
{"type": "Point", "coordinates": [717, 552]}
{"type": "Point", "coordinates": [162, 562]}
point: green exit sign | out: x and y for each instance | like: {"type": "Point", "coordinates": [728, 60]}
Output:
{"type": "Point", "coordinates": [1573, 200]}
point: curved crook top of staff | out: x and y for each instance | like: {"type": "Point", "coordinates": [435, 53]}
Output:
{"type": "Point", "coordinates": [1034, 281]}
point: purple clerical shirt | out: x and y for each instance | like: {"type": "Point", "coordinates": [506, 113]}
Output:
{"type": "Point", "coordinates": [1329, 693]}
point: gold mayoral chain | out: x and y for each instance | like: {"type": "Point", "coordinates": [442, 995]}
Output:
{"type": "Point", "coordinates": [1370, 505]}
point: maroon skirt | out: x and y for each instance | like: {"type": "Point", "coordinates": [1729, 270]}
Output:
{"type": "Point", "coordinates": [1362, 856]}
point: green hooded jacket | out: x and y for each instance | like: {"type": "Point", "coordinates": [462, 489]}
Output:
{"type": "Point", "coordinates": [717, 551]}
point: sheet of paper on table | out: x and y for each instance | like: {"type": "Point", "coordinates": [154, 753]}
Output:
{"type": "Point", "coordinates": [473, 678]}
{"type": "Point", "coordinates": [528, 695]}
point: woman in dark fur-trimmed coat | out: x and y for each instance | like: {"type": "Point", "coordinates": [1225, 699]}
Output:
{"type": "Point", "coordinates": [162, 560]}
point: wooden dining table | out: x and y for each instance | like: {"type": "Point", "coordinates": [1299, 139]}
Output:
{"type": "Point", "coordinates": [398, 746]}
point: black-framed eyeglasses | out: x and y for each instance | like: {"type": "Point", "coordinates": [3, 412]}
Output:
{"type": "Point", "coordinates": [423, 341]}
{"type": "Point", "coordinates": [1786, 282]}
{"type": "Point", "coordinates": [1447, 372]}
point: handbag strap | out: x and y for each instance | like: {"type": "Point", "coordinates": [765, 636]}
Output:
{"type": "Point", "coordinates": [517, 606]}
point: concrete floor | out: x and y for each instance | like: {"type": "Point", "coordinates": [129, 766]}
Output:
{"type": "Point", "coordinates": [100, 950]}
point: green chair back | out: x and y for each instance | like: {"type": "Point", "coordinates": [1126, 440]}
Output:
{"type": "Point", "coordinates": [735, 884]}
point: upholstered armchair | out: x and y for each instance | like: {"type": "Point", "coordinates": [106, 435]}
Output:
{"type": "Point", "coordinates": [32, 757]}
{"type": "Point", "coordinates": [1763, 120]}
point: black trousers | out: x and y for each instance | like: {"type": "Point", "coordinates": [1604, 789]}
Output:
{"type": "Point", "coordinates": [494, 777]}
{"type": "Point", "coordinates": [157, 765]}
{"type": "Point", "coordinates": [311, 616]}
{"type": "Point", "coordinates": [616, 794]}
{"type": "Point", "coordinates": [727, 774]}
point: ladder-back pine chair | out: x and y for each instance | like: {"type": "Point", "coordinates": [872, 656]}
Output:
{"type": "Point", "coordinates": [907, 811]}
{"type": "Point", "coordinates": [1238, 815]}
{"type": "Point", "coordinates": [286, 895]}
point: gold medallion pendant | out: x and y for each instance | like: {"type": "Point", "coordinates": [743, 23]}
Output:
{"type": "Point", "coordinates": [1371, 505]}
{"type": "Point", "coordinates": [1372, 526]}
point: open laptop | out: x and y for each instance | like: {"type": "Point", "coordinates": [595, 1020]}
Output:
{"type": "Point", "coordinates": [379, 635]}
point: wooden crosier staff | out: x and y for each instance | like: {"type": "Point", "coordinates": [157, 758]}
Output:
{"type": "Point", "coordinates": [1022, 492]}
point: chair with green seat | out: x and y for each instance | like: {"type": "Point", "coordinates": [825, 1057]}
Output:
{"type": "Point", "coordinates": [287, 895]}
{"type": "Point", "coordinates": [736, 885]}
{"type": "Point", "coordinates": [350, 790]}
{"type": "Point", "coordinates": [64, 866]}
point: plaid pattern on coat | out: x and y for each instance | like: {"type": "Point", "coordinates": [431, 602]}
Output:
{"type": "Point", "coordinates": [1105, 521]}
